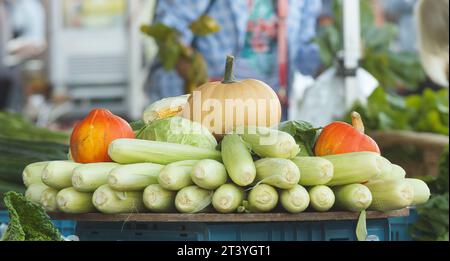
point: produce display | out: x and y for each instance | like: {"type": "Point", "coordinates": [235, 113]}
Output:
{"type": "Point", "coordinates": [173, 164]}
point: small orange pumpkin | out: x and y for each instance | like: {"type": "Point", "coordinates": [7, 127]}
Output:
{"type": "Point", "coordinates": [223, 106]}
{"type": "Point", "coordinates": [340, 137]}
{"type": "Point", "coordinates": [91, 137]}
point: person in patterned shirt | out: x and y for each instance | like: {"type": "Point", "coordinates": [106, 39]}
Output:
{"type": "Point", "coordinates": [249, 31]}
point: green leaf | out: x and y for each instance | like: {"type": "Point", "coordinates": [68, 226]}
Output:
{"type": "Point", "coordinates": [304, 134]}
{"type": "Point", "coordinates": [204, 25]}
{"type": "Point", "coordinates": [28, 221]}
{"type": "Point", "coordinates": [137, 125]}
{"type": "Point", "coordinates": [361, 228]}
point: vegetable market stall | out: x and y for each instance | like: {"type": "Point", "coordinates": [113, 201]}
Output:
{"type": "Point", "coordinates": [178, 167]}
{"type": "Point", "coordinates": [304, 226]}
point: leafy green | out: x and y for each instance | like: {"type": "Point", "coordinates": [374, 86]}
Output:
{"type": "Point", "coordinates": [433, 219]}
{"type": "Point", "coordinates": [428, 112]}
{"type": "Point", "coordinates": [304, 133]}
{"type": "Point", "coordinates": [14, 126]}
{"type": "Point", "coordinates": [390, 68]}
{"type": "Point", "coordinates": [178, 130]}
{"type": "Point", "coordinates": [28, 221]}
{"type": "Point", "coordinates": [22, 143]}
{"type": "Point", "coordinates": [137, 125]}
{"type": "Point", "coordinates": [442, 181]}
{"type": "Point", "coordinates": [433, 222]}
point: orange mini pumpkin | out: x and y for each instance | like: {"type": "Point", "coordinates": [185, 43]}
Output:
{"type": "Point", "coordinates": [223, 106]}
{"type": "Point", "coordinates": [340, 137]}
{"type": "Point", "coordinates": [91, 137]}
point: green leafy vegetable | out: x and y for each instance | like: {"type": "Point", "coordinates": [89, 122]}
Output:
{"type": "Point", "coordinates": [14, 126]}
{"type": "Point", "coordinates": [304, 133]}
{"type": "Point", "coordinates": [22, 143]}
{"type": "Point", "coordinates": [433, 222]}
{"type": "Point", "coordinates": [442, 182]}
{"type": "Point", "coordinates": [428, 112]}
{"type": "Point", "coordinates": [28, 221]}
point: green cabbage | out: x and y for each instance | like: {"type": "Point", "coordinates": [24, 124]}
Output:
{"type": "Point", "coordinates": [28, 221]}
{"type": "Point", "coordinates": [178, 130]}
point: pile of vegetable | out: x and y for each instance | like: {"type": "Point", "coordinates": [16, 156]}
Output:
{"type": "Point", "coordinates": [173, 164]}
{"type": "Point", "coordinates": [22, 143]}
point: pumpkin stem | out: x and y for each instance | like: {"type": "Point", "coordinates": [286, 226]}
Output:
{"type": "Point", "coordinates": [357, 122]}
{"type": "Point", "coordinates": [229, 75]}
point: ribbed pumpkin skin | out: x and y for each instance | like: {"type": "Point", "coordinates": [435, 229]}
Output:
{"type": "Point", "coordinates": [340, 137]}
{"type": "Point", "coordinates": [91, 137]}
{"type": "Point", "coordinates": [264, 108]}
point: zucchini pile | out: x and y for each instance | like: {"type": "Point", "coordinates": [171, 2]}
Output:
{"type": "Point", "coordinates": [253, 172]}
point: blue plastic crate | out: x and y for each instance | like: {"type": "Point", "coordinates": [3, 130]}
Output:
{"type": "Point", "coordinates": [399, 226]}
{"type": "Point", "coordinates": [258, 231]}
{"type": "Point", "coordinates": [65, 227]}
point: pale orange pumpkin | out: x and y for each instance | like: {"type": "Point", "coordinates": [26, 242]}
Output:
{"type": "Point", "coordinates": [223, 106]}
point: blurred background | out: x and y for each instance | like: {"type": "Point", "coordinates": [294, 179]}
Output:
{"type": "Point", "coordinates": [62, 58]}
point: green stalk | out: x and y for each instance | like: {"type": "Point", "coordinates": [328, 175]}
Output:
{"type": "Point", "coordinates": [421, 191]}
{"type": "Point", "coordinates": [227, 198]}
{"type": "Point", "coordinates": [159, 199]}
{"type": "Point", "coordinates": [321, 198]}
{"type": "Point", "coordinates": [48, 199]}
{"type": "Point", "coordinates": [294, 200]}
{"type": "Point", "coordinates": [209, 174]}
{"type": "Point", "coordinates": [270, 143]}
{"type": "Point", "coordinates": [280, 173]}
{"type": "Point", "coordinates": [192, 199]}
{"type": "Point", "coordinates": [390, 194]}
{"type": "Point", "coordinates": [229, 74]}
{"type": "Point", "coordinates": [237, 160]}
{"type": "Point", "coordinates": [177, 175]}
{"type": "Point", "coordinates": [33, 173]}
{"type": "Point", "coordinates": [262, 198]}
{"type": "Point", "coordinates": [314, 170]}
{"type": "Point", "coordinates": [34, 192]}
{"type": "Point", "coordinates": [134, 177]}
{"type": "Point", "coordinates": [109, 201]}
{"type": "Point", "coordinates": [71, 201]}
{"type": "Point", "coordinates": [353, 197]}
{"type": "Point", "coordinates": [88, 177]}
{"type": "Point", "coordinates": [58, 174]}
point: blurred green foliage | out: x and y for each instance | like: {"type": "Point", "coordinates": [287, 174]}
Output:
{"type": "Point", "coordinates": [171, 49]}
{"type": "Point", "coordinates": [390, 68]}
{"type": "Point", "coordinates": [426, 112]}
{"type": "Point", "coordinates": [433, 222]}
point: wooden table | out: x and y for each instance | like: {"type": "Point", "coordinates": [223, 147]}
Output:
{"type": "Point", "coordinates": [213, 217]}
